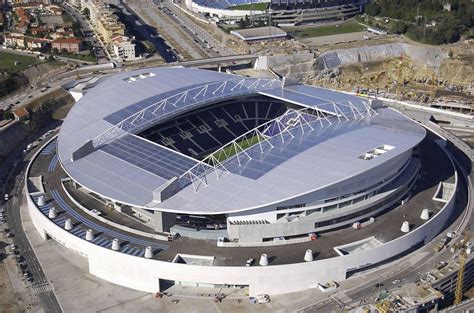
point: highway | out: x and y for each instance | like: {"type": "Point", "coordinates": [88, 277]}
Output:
{"type": "Point", "coordinates": [194, 30]}
{"type": "Point", "coordinates": [40, 284]}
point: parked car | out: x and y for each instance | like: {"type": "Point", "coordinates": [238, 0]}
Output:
{"type": "Point", "coordinates": [249, 262]}
{"type": "Point", "coordinates": [263, 298]}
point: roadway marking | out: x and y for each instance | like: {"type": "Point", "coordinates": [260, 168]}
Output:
{"type": "Point", "coordinates": [41, 288]}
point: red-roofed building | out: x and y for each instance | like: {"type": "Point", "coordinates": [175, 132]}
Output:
{"type": "Point", "coordinates": [40, 30]}
{"type": "Point", "coordinates": [27, 5]}
{"type": "Point", "coordinates": [70, 44]}
{"type": "Point", "coordinates": [22, 18]}
{"type": "Point", "coordinates": [21, 114]}
{"type": "Point", "coordinates": [124, 49]}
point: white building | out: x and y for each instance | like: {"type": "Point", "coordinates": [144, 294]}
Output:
{"type": "Point", "coordinates": [317, 168]}
{"type": "Point", "coordinates": [124, 49]}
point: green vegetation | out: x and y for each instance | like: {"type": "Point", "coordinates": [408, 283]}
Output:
{"type": "Point", "coordinates": [87, 13]}
{"type": "Point", "coordinates": [231, 150]}
{"type": "Point", "coordinates": [67, 18]}
{"type": "Point", "coordinates": [347, 27]}
{"type": "Point", "coordinates": [14, 80]}
{"type": "Point", "coordinates": [7, 62]}
{"type": "Point", "coordinates": [251, 7]}
{"type": "Point", "coordinates": [247, 23]}
{"type": "Point", "coordinates": [83, 57]}
{"type": "Point", "coordinates": [11, 83]}
{"type": "Point", "coordinates": [76, 28]}
{"type": "Point", "coordinates": [8, 115]}
{"type": "Point", "coordinates": [426, 21]}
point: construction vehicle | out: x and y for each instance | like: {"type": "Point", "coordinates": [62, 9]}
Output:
{"type": "Point", "coordinates": [463, 245]}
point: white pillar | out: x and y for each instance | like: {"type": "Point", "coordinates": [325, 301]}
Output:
{"type": "Point", "coordinates": [68, 225]}
{"type": "Point", "coordinates": [263, 260]}
{"type": "Point", "coordinates": [52, 213]}
{"type": "Point", "coordinates": [405, 227]}
{"type": "Point", "coordinates": [41, 200]}
{"type": "Point", "coordinates": [115, 244]}
{"type": "Point", "coordinates": [308, 256]}
{"type": "Point", "coordinates": [148, 253]}
{"type": "Point", "coordinates": [89, 235]}
{"type": "Point", "coordinates": [425, 214]}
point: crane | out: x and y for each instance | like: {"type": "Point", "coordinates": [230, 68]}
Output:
{"type": "Point", "coordinates": [462, 265]}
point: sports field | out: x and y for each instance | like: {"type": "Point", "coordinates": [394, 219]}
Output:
{"type": "Point", "coordinates": [317, 31]}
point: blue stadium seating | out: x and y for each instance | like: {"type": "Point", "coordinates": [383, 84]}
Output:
{"type": "Point", "coordinates": [201, 132]}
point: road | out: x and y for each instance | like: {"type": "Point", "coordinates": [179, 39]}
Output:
{"type": "Point", "coordinates": [40, 285]}
{"type": "Point", "coordinates": [100, 51]}
{"type": "Point", "coordinates": [135, 23]}
{"type": "Point", "coordinates": [194, 30]}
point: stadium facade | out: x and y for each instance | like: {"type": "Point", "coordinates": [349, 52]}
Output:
{"type": "Point", "coordinates": [241, 162]}
{"type": "Point", "coordinates": [282, 12]}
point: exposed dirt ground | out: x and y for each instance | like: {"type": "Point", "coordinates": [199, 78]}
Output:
{"type": "Point", "coordinates": [8, 301]}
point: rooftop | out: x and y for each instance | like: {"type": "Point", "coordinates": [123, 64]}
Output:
{"type": "Point", "coordinates": [436, 167]}
{"type": "Point", "coordinates": [72, 40]}
{"type": "Point", "coordinates": [21, 112]}
{"type": "Point", "coordinates": [259, 33]}
{"type": "Point", "coordinates": [100, 132]}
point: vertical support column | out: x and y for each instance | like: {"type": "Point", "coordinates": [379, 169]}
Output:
{"type": "Point", "coordinates": [163, 221]}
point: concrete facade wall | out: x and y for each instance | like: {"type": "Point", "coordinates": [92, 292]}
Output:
{"type": "Point", "coordinates": [256, 233]}
{"type": "Point", "coordinates": [219, 12]}
{"type": "Point", "coordinates": [347, 186]}
{"type": "Point", "coordinates": [144, 274]}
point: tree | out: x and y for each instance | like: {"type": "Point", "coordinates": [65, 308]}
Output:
{"type": "Point", "coordinates": [399, 27]}
{"type": "Point", "coordinates": [7, 115]}
{"type": "Point", "coordinates": [372, 9]}
{"type": "Point", "coordinates": [241, 23]}
{"type": "Point", "coordinates": [87, 13]}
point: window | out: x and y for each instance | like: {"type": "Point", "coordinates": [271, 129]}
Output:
{"type": "Point", "coordinates": [301, 205]}
{"type": "Point", "coordinates": [369, 155]}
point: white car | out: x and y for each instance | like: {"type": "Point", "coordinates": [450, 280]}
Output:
{"type": "Point", "coordinates": [263, 298]}
{"type": "Point", "coordinates": [249, 262]}
{"type": "Point", "coordinates": [6, 197]}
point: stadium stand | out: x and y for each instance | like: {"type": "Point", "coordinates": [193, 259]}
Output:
{"type": "Point", "coordinates": [223, 4]}
{"type": "Point", "coordinates": [199, 133]}
{"type": "Point", "coordinates": [305, 4]}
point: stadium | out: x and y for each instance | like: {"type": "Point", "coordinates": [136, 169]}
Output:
{"type": "Point", "coordinates": [183, 177]}
{"type": "Point", "coordinates": [282, 12]}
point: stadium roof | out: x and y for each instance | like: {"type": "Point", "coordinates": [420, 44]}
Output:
{"type": "Point", "coordinates": [225, 4]}
{"type": "Point", "coordinates": [99, 149]}
{"type": "Point", "coordinates": [259, 33]}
